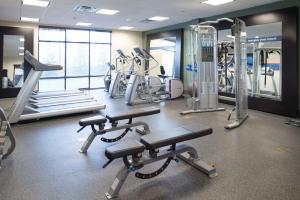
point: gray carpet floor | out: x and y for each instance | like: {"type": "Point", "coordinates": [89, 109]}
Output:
{"type": "Point", "coordinates": [259, 160]}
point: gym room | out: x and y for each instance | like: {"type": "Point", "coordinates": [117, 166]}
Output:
{"type": "Point", "coordinates": [151, 100]}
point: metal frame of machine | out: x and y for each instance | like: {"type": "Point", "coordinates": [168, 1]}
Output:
{"type": "Point", "coordinates": [204, 61]}
{"type": "Point", "coordinates": [240, 70]}
{"type": "Point", "coordinates": [119, 80]}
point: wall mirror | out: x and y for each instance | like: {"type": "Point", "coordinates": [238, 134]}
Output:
{"type": "Point", "coordinates": [13, 58]}
{"type": "Point", "coordinates": [163, 50]}
{"type": "Point", "coordinates": [272, 61]}
{"type": "Point", "coordinates": [14, 70]}
{"type": "Point", "coordinates": [264, 73]}
{"type": "Point", "coordinates": [166, 48]}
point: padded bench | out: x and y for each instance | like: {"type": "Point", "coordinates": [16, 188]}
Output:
{"type": "Point", "coordinates": [157, 140]}
{"type": "Point", "coordinates": [125, 148]}
{"type": "Point", "coordinates": [99, 126]}
{"type": "Point", "coordinates": [152, 143]}
{"type": "Point", "coordinates": [99, 119]}
{"type": "Point", "coordinates": [175, 135]}
{"type": "Point", "coordinates": [93, 120]}
{"type": "Point", "coordinates": [140, 112]}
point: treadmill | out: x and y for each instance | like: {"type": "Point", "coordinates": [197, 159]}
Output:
{"type": "Point", "coordinates": [54, 94]}
{"type": "Point", "coordinates": [22, 110]}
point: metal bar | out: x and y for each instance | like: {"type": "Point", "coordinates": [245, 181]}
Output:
{"type": "Point", "coordinates": [92, 136]}
{"type": "Point", "coordinates": [59, 103]}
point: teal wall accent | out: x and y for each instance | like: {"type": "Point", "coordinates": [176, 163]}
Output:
{"type": "Point", "coordinates": [249, 11]}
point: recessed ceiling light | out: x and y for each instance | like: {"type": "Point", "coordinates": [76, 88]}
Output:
{"type": "Point", "coordinates": [21, 48]}
{"type": "Point", "coordinates": [158, 18]}
{"type": "Point", "coordinates": [39, 3]}
{"type": "Point", "coordinates": [30, 19]}
{"type": "Point", "coordinates": [107, 12]}
{"type": "Point", "coordinates": [126, 27]}
{"type": "Point", "coordinates": [217, 2]}
{"type": "Point", "coordinates": [22, 39]}
{"type": "Point", "coordinates": [83, 24]}
{"type": "Point", "coordinates": [21, 54]}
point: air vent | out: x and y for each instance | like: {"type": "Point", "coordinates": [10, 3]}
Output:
{"type": "Point", "coordinates": [85, 9]}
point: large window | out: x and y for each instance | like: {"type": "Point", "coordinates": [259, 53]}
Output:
{"type": "Point", "coordinates": [82, 53]}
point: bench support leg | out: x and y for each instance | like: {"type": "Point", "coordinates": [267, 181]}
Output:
{"type": "Point", "coordinates": [88, 143]}
{"type": "Point", "coordinates": [118, 183]}
{"type": "Point", "coordinates": [144, 131]}
{"type": "Point", "coordinates": [191, 158]}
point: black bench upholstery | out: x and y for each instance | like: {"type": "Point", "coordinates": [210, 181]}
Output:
{"type": "Point", "coordinates": [133, 113]}
{"type": "Point", "coordinates": [99, 119]}
{"type": "Point", "coordinates": [157, 140]}
{"type": "Point", "coordinates": [125, 148]}
{"type": "Point", "coordinates": [175, 135]}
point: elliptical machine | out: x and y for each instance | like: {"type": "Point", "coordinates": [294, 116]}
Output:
{"type": "Point", "coordinates": [120, 78]}
{"type": "Point", "coordinates": [204, 50]}
{"type": "Point", "coordinates": [143, 88]}
{"type": "Point", "coordinates": [138, 90]}
{"type": "Point", "coordinates": [107, 77]}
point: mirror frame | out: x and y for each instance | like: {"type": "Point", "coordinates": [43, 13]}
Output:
{"type": "Point", "coordinates": [28, 34]}
{"type": "Point", "coordinates": [178, 48]}
{"type": "Point", "coordinates": [288, 106]}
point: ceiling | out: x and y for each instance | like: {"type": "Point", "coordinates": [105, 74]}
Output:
{"type": "Point", "coordinates": [132, 12]}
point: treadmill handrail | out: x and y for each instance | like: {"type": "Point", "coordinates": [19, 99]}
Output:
{"type": "Point", "coordinates": [37, 66]}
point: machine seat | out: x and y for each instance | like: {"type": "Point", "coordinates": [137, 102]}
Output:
{"type": "Point", "coordinates": [175, 135]}
{"type": "Point", "coordinates": [133, 113]}
{"type": "Point", "coordinates": [163, 76]}
{"type": "Point", "coordinates": [99, 119]}
{"type": "Point", "coordinates": [125, 148]}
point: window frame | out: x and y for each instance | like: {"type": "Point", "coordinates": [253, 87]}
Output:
{"type": "Point", "coordinates": [65, 42]}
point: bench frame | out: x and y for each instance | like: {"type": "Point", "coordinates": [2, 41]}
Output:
{"type": "Point", "coordinates": [102, 129]}
{"type": "Point", "coordinates": [114, 121]}
{"type": "Point", "coordinates": [5, 134]}
{"type": "Point", "coordinates": [138, 161]}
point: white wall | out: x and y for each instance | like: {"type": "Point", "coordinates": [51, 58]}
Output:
{"type": "Point", "coordinates": [125, 40]}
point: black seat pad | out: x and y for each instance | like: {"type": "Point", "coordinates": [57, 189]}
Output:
{"type": "Point", "coordinates": [133, 113]}
{"type": "Point", "coordinates": [163, 76]}
{"type": "Point", "coordinates": [125, 148]}
{"type": "Point", "coordinates": [175, 135]}
{"type": "Point", "coordinates": [99, 119]}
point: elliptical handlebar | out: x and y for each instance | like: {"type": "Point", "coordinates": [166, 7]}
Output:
{"type": "Point", "coordinates": [142, 54]}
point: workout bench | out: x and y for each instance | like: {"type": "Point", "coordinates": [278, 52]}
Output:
{"type": "Point", "coordinates": [153, 144]}
{"type": "Point", "coordinates": [114, 119]}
